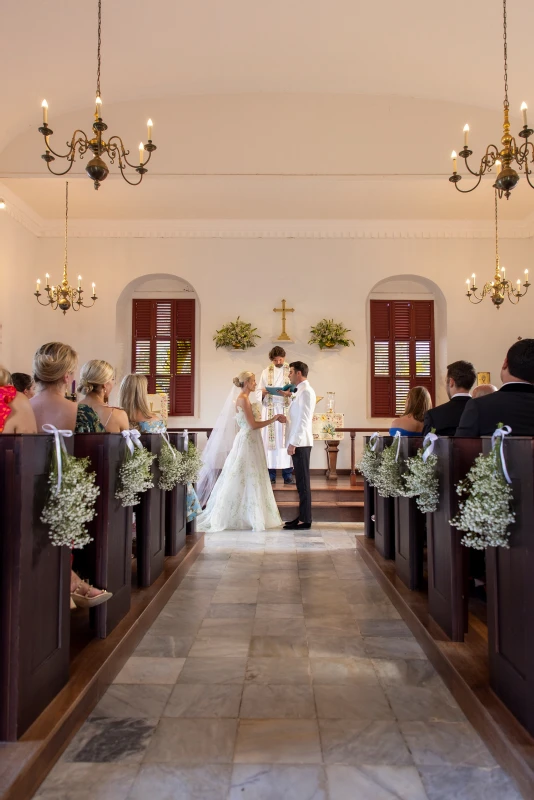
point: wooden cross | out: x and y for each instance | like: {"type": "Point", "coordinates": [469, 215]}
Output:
{"type": "Point", "coordinates": [283, 336]}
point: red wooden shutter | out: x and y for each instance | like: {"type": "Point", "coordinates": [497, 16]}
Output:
{"type": "Point", "coordinates": [402, 353]}
{"type": "Point", "coordinates": [163, 349]}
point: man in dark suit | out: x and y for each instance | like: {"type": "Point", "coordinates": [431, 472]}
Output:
{"type": "Point", "coordinates": [445, 418]}
{"type": "Point", "coordinates": [512, 405]}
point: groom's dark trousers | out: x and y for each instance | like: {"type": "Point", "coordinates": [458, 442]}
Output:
{"type": "Point", "coordinates": [301, 465]}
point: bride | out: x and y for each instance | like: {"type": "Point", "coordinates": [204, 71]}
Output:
{"type": "Point", "coordinates": [242, 497]}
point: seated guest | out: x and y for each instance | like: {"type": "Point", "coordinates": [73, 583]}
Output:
{"type": "Point", "coordinates": [97, 379]}
{"type": "Point", "coordinates": [418, 402]}
{"type": "Point", "coordinates": [133, 397]}
{"type": "Point", "coordinates": [16, 415]}
{"type": "Point", "coordinates": [483, 389]}
{"type": "Point", "coordinates": [512, 405]}
{"type": "Point", "coordinates": [445, 419]}
{"type": "Point", "coordinates": [23, 383]}
{"type": "Point", "coordinates": [54, 365]}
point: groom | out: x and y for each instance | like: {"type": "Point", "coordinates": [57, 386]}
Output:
{"type": "Point", "coordinates": [300, 441]}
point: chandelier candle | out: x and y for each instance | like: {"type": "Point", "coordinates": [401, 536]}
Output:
{"type": "Point", "coordinates": [80, 144]}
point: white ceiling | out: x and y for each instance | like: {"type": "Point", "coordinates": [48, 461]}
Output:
{"type": "Point", "coordinates": [289, 109]}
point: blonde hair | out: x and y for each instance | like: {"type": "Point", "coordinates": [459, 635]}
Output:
{"type": "Point", "coordinates": [133, 397]}
{"type": "Point", "coordinates": [242, 378]}
{"type": "Point", "coordinates": [5, 377]}
{"type": "Point", "coordinates": [94, 374]}
{"type": "Point", "coordinates": [418, 402]}
{"type": "Point", "coordinates": [52, 362]}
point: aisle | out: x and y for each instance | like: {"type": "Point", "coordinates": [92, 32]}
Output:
{"type": "Point", "coordinates": [279, 669]}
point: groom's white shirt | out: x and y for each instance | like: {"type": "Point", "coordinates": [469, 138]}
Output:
{"type": "Point", "coordinates": [301, 414]}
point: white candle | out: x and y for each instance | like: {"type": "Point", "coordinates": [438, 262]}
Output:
{"type": "Point", "coordinates": [98, 102]}
{"type": "Point", "coordinates": [2, 203]}
{"type": "Point", "coordinates": [473, 278]}
{"type": "Point", "coordinates": [524, 108]}
{"type": "Point", "coordinates": [94, 287]}
{"type": "Point", "coordinates": [498, 166]}
{"type": "Point", "coordinates": [44, 106]}
{"type": "Point", "coordinates": [79, 281]}
{"type": "Point", "coordinates": [47, 280]}
{"type": "Point", "coordinates": [518, 285]}
{"type": "Point", "coordinates": [149, 126]}
{"type": "Point", "coordinates": [468, 284]}
{"type": "Point", "coordinates": [526, 276]}
{"type": "Point", "coordinates": [453, 156]}
{"type": "Point", "coordinates": [38, 284]}
{"type": "Point", "coordinates": [466, 134]}
{"type": "Point", "coordinates": [141, 150]}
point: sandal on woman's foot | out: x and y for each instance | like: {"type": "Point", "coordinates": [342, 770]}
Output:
{"type": "Point", "coordinates": [83, 599]}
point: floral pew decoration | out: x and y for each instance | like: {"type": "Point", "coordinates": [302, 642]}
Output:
{"type": "Point", "coordinates": [73, 492]}
{"type": "Point", "coordinates": [135, 474]}
{"type": "Point", "coordinates": [421, 479]}
{"type": "Point", "coordinates": [388, 477]}
{"type": "Point", "coordinates": [485, 512]}
{"type": "Point", "coordinates": [370, 460]}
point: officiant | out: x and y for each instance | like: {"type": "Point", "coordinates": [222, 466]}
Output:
{"type": "Point", "coordinates": [274, 436]}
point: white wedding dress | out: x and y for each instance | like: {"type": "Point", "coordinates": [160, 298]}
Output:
{"type": "Point", "coordinates": [242, 498]}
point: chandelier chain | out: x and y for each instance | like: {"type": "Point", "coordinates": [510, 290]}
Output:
{"type": "Point", "coordinates": [66, 226]}
{"type": "Point", "coordinates": [99, 44]}
{"type": "Point", "coordinates": [504, 36]}
{"type": "Point", "coordinates": [496, 231]}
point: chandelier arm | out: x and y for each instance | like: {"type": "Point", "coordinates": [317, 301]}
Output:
{"type": "Point", "coordinates": [476, 301]}
{"type": "Point", "coordinates": [73, 143]}
{"type": "Point", "coordinates": [466, 191]}
{"type": "Point", "coordinates": [132, 183]}
{"type": "Point", "coordinates": [64, 171]}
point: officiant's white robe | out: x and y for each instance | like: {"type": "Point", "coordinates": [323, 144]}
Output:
{"type": "Point", "coordinates": [278, 458]}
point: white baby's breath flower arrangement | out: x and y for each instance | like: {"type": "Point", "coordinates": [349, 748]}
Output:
{"type": "Point", "coordinates": [171, 467]}
{"type": "Point", "coordinates": [369, 462]}
{"type": "Point", "coordinates": [421, 480]}
{"type": "Point", "coordinates": [191, 464]}
{"type": "Point", "coordinates": [135, 476]}
{"type": "Point", "coordinates": [485, 513]}
{"type": "Point", "coordinates": [388, 478]}
{"type": "Point", "coordinates": [69, 508]}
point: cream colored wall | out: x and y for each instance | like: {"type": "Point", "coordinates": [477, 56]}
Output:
{"type": "Point", "coordinates": [319, 277]}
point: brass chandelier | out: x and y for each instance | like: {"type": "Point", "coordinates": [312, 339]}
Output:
{"type": "Point", "coordinates": [64, 296]}
{"type": "Point", "coordinates": [114, 148]}
{"type": "Point", "coordinates": [500, 287]}
{"type": "Point", "coordinates": [509, 154]}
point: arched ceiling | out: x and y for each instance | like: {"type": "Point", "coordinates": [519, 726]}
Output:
{"type": "Point", "coordinates": [248, 98]}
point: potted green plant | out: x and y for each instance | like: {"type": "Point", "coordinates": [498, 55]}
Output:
{"type": "Point", "coordinates": [328, 333]}
{"type": "Point", "coordinates": [239, 335]}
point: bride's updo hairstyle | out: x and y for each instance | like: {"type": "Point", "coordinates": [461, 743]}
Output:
{"type": "Point", "coordinates": [52, 362]}
{"type": "Point", "coordinates": [242, 378]}
{"type": "Point", "coordinates": [94, 375]}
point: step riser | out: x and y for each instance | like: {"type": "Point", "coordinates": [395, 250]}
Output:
{"type": "Point", "coordinates": [332, 514]}
{"type": "Point", "coordinates": [324, 495]}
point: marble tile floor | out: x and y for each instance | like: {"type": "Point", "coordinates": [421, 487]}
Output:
{"type": "Point", "coordinates": [279, 669]}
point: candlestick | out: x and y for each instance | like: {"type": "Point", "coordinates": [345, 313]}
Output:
{"type": "Point", "coordinates": [453, 156]}
{"type": "Point", "coordinates": [524, 108]}
{"type": "Point", "coordinates": [466, 134]}
{"type": "Point", "coordinates": [44, 106]}
{"type": "Point", "coordinates": [149, 125]}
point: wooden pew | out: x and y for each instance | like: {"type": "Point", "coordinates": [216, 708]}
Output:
{"type": "Point", "coordinates": [192, 526]}
{"type": "Point", "coordinates": [175, 509]}
{"type": "Point", "coordinates": [410, 527]}
{"type": "Point", "coordinates": [107, 560]}
{"type": "Point", "coordinates": [510, 591]}
{"type": "Point", "coordinates": [448, 559]}
{"type": "Point", "coordinates": [384, 515]}
{"type": "Point", "coordinates": [34, 587]}
{"type": "Point", "coordinates": [368, 504]}
{"type": "Point", "coordinates": [150, 521]}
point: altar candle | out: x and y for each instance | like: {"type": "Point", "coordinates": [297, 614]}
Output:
{"type": "Point", "coordinates": [149, 126]}
{"type": "Point", "coordinates": [44, 106]}
{"type": "Point", "coordinates": [453, 156]}
{"type": "Point", "coordinates": [466, 134]}
{"type": "Point", "coordinates": [524, 108]}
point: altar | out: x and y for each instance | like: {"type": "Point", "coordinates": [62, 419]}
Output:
{"type": "Point", "coordinates": [324, 429]}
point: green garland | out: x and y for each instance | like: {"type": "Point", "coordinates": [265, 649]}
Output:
{"type": "Point", "coordinates": [69, 509]}
{"type": "Point", "coordinates": [485, 513]}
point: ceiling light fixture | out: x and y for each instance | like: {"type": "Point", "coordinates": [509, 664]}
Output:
{"type": "Point", "coordinates": [500, 287]}
{"type": "Point", "coordinates": [510, 153]}
{"type": "Point", "coordinates": [97, 169]}
{"type": "Point", "coordinates": [64, 296]}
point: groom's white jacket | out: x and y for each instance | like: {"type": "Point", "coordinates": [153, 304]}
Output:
{"type": "Point", "coordinates": [300, 421]}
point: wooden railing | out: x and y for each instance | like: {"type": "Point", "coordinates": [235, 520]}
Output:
{"type": "Point", "coordinates": [353, 432]}
{"type": "Point", "coordinates": [207, 431]}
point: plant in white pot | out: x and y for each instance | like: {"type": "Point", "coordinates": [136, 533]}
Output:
{"type": "Point", "coordinates": [329, 334]}
{"type": "Point", "coordinates": [238, 335]}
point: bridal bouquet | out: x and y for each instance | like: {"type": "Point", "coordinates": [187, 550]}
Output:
{"type": "Point", "coordinates": [171, 467]}
{"type": "Point", "coordinates": [485, 513]}
{"type": "Point", "coordinates": [421, 479]}
{"type": "Point", "coordinates": [135, 476]}
{"type": "Point", "coordinates": [71, 505]}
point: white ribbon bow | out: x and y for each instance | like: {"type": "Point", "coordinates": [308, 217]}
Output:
{"type": "Point", "coordinates": [429, 439]}
{"type": "Point", "coordinates": [165, 436]}
{"type": "Point", "coordinates": [60, 445]}
{"type": "Point", "coordinates": [133, 440]}
{"type": "Point", "coordinates": [398, 438]}
{"type": "Point", "coordinates": [186, 440]}
{"type": "Point", "coordinates": [500, 433]}
{"type": "Point", "coordinates": [373, 441]}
